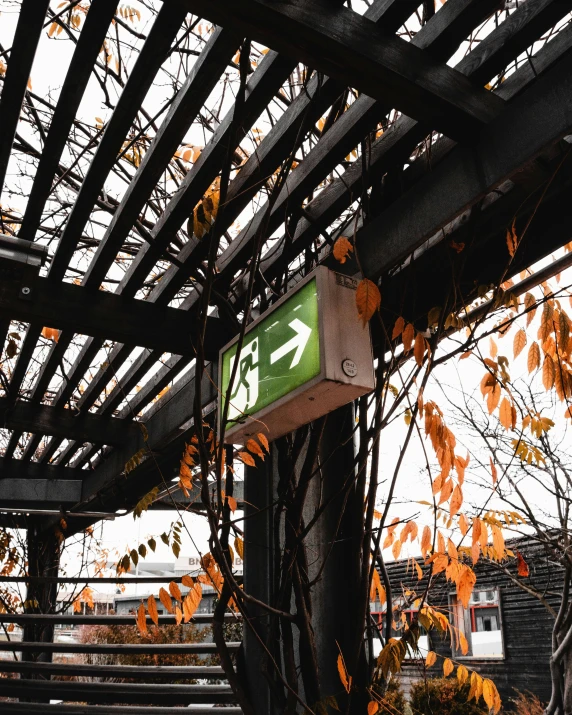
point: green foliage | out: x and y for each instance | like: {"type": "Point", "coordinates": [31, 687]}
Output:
{"type": "Point", "coordinates": [443, 696]}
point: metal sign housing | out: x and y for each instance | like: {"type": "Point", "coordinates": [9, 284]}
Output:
{"type": "Point", "coordinates": [303, 358]}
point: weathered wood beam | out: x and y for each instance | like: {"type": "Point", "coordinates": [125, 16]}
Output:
{"type": "Point", "coordinates": [39, 492]}
{"type": "Point", "coordinates": [26, 39]}
{"type": "Point", "coordinates": [284, 137]}
{"type": "Point", "coordinates": [107, 316]}
{"type": "Point", "coordinates": [85, 54]}
{"type": "Point", "coordinates": [350, 48]}
{"type": "Point", "coordinates": [67, 424]}
{"type": "Point", "coordinates": [395, 145]}
{"type": "Point", "coordinates": [535, 120]}
{"type": "Point", "coordinates": [17, 469]}
{"type": "Point", "coordinates": [435, 37]}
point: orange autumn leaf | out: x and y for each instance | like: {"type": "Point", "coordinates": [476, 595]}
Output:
{"type": "Point", "coordinates": [178, 615]}
{"type": "Point", "coordinates": [522, 567]}
{"type": "Point", "coordinates": [463, 524]}
{"type": "Point", "coordinates": [51, 334]}
{"type": "Point", "coordinates": [345, 678]}
{"type": "Point", "coordinates": [448, 667]}
{"type": "Point", "coordinates": [372, 707]}
{"type": "Point", "coordinates": [456, 500]}
{"type": "Point", "coordinates": [368, 300]}
{"type": "Point", "coordinates": [533, 357]}
{"type": "Point", "coordinates": [505, 414]}
{"type": "Point", "coordinates": [152, 608]}
{"type": "Point", "coordinates": [248, 459]}
{"type": "Point", "coordinates": [511, 240]}
{"type": "Point", "coordinates": [462, 674]}
{"type": "Point", "coordinates": [519, 342]}
{"type": "Point", "coordinates": [263, 441]}
{"type": "Point", "coordinates": [426, 540]}
{"type": "Point", "coordinates": [407, 337]}
{"type": "Point", "coordinates": [255, 448]}
{"type": "Point", "coordinates": [175, 591]}
{"type": "Point", "coordinates": [342, 249]}
{"type": "Point", "coordinates": [465, 585]}
{"type": "Point", "coordinates": [493, 470]}
{"type": "Point", "coordinates": [187, 580]}
{"type": "Point", "coordinates": [232, 503]}
{"type": "Point", "coordinates": [141, 619]}
{"type": "Point", "coordinates": [166, 600]}
{"type": "Point", "coordinates": [398, 328]}
{"type": "Point", "coordinates": [548, 372]}
{"type": "Point", "coordinates": [431, 659]}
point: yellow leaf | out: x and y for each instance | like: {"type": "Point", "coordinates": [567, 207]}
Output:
{"type": "Point", "coordinates": [141, 620]}
{"type": "Point", "coordinates": [548, 373]}
{"type": "Point", "coordinates": [398, 328]}
{"type": "Point", "coordinates": [431, 659]}
{"type": "Point", "coordinates": [407, 337]}
{"type": "Point", "coordinates": [152, 608]}
{"type": "Point", "coordinates": [239, 546]}
{"type": "Point", "coordinates": [448, 667]}
{"type": "Point", "coordinates": [175, 591]}
{"type": "Point", "coordinates": [519, 342]}
{"type": "Point", "coordinates": [342, 249]}
{"type": "Point", "coordinates": [368, 300]}
{"type": "Point", "coordinates": [533, 357]}
{"type": "Point", "coordinates": [51, 334]}
{"type": "Point", "coordinates": [464, 643]}
{"type": "Point", "coordinates": [372, 707]}
{"type": "Point", "coordinates": [247, 459]}
{"type": "Point", "coordinates": [488, 693]}
{"type": "Point", "coordinates": [462, 672]}
{"type": "Point", "coordinates": [166, 600]}
{"type": "Point", "coordinates": [187, 581]}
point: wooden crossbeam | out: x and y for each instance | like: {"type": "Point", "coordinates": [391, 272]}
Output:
{"type": "Point", "coordinates": [107, 316]}
{"type": "Point", "coordinates": [83, 426]}
{"type": "Point", "coordinates": [396, 144]}
{"type": "Point", "coordinates": [17, 469]}
{"type": "Point", "coordinates": [39, 492]}
{"type": "Point", "coordinates": [26, 39]}
{"type": "Point", "coordinates": [350, 48]}
{"type": "Point", "coordinates": [520, 134]}
{"type": "Point", "coordinates": [435, 37]}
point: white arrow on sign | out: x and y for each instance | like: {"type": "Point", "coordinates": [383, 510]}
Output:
{"type": "Point", "coordinates": [298, 343]}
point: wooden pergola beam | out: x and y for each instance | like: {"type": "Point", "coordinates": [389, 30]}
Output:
{"type": "Point", "coordinates": [534, 121]}
{"type": "Point", "coordinates": [67, 424]}
{"type": "Point", "coordinates": [17, 469]}
{"type": "Point", "coordinates": [350, 48]}
{"type": "Point", "coordinates": [39, 492]}
{"type": "Point", "coordinates": [26, 39]}
{"type": "Point", "coordinates": [107, 316]}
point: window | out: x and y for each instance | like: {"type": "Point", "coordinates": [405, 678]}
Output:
{"type": "Point", "coordinates": [480, 623]}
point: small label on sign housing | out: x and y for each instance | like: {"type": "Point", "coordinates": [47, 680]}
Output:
{"type": "Point", "coordinates": [349, 367]}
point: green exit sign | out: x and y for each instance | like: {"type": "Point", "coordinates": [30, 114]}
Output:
{"type": "Point", "coordinates": [303, 358]}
